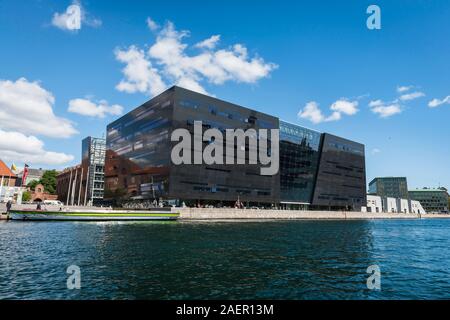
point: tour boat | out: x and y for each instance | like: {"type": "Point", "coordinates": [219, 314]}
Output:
{"type": "Point", "coordinates": [92, 215]}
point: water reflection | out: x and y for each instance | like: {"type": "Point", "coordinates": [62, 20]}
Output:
{"type": "Point", "coordinates": [222, 260]}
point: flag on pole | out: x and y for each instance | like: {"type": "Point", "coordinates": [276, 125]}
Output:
{"type": "Point", "coordinates": [25, 174]}
{"type": "Point", "coordinates": [13, 168]}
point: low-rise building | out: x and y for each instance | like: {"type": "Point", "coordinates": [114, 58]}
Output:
{"type": "Point", "coordinates": [402, 205]}
{"type": "Point", "coordinates": [393, 187]}
{"type": "Point", "coordinates": [416, 207]}
{"type": "Point", "coordinates": [392, 205]}
{"type": "Point", "coordinates": [432, 200]}
{"type": "Point", "coordinates": [8, 189]}
{"type": "Point", "coordinates": [374, 203]}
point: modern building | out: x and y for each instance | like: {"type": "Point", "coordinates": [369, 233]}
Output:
{"type": "Point", "coordinates": [316, 170]}
{"type": "Point", "coordinates": [416, 207]}
{"type": "Point", "coordinates": [8, 189]}
{"type": "Point", "coordinates": [374, 204]}
{"type": "Point", "coordinates": [432, 200]}
{"type": "Point", "coordinates": [83, 184]}
{"type": "Point", "coordinates": [93, 163]}
{"type": "Point", "coordinates": [377, 204]}
{"type": "Point", "coordinates": [393, 187]}
{"type": "Point", "coordinates": [390, 204]}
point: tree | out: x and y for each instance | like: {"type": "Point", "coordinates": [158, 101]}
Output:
{"type": "Point", "coordinates": [48, 180]}
{"type": "Point", "coordinates": [26, 196]}
{"type": "Point", "coordinates": [32, 184]}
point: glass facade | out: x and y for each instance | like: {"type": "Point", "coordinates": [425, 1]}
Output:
{"type": "Point", "coordinates": [138, 151]}
{"type": "Point", "coordinates": [299, 160]}
{"type": "Point", "coordinates": [221, 182]}
{"type": "Point", "coordinates": [93, 161]}
{"type": "Point", "coordinates": [138, 158]}
{"type": "Point", "coordinates": [394, 187]}
{"type": "Point", "coordinates": [341, 178]}
{"type": "Point", "coordinates": [432, 200]}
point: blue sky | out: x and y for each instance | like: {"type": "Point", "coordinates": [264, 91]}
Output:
{"type": "Point", "coordinates": [300, 57]}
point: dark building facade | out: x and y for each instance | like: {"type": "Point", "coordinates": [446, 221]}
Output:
{"type": "Point", "coordinates": [138, 158]}
{"type": "Point", "coordinates": [432, 200]}
{"type": "Point", "coordinates": [299, 161]}
{"type": "Point", "coordinates": [341, 177]}
{"type": "Point", "coordinates": [394, 187]}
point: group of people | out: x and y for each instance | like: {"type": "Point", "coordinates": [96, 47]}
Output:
{"type": "Point", "coordinates": [9, 206]}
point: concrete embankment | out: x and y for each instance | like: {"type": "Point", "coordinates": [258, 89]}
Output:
{"type": "Point", "coordinates": [234, 214]}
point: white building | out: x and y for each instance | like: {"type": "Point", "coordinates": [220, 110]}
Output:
{"type": "Point", "coordinates": [390, 205]}
{"type": "Point", "coordinates": [11, 193]}
{"type": "Point", "coordinates": [416, 207]}
{"type": "Point", "coordinates": [403, 205]}
{"type": "Point", "coordinates": [374, 204]}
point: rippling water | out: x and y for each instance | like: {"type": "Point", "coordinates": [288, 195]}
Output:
{"type": "Point", "coordinates": [229, 260]}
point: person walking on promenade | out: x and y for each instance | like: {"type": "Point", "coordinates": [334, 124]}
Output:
{"type": "Point", "coordinates": [38, 207]}
{"type": "Point", "coordinates": [8, 206]}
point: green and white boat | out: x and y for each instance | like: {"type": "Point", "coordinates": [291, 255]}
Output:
{"type": "Point", "coordinates": [91, 215]}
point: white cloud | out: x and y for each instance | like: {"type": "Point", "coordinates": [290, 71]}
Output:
{"type": "Point", "coordinates": [74, 17]}
{"type": "Point", "coordinates": [437, 102]}
{"type": "Point", "coordinates": [375, 151]}
{"type": "Point", "coordinates": [345, 106]}
{"type": "Point", "coordinates": [152, 25]}
{"type": "Point", "coordinates": [167, 60]}
{"type": "Point", "coordinates": [385, 110]}
{"type": "Point", "coordinates": [209, 43]}
{"type": "Point", "coordinates": [412, 96]}
{"type": "Point", "coordinates": [28, 108]}
{"type": "Point", "coordinates": [139, 74]}
{"type": "Point", "coordinates": [17, 147]}
{"type": "Point", "coordinates": [401, 89]}
{"type": "Point", "coordinates": [312, 112]}
{"type": "Point", "coordinates": [88, 108]}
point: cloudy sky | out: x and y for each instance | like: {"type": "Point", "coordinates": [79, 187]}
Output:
{"type": "Point", "coordinates": [68, 68]}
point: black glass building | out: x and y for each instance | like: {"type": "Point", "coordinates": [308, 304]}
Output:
{"type": "Point", "coordinates": [299, 161]}
{"type": "Point", "coordinates": [138, 158]}
{"type": "Point", "coordinates": [341, 176]}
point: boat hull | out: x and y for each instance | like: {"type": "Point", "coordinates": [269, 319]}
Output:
{"type": "Point", "coordinates": [91, 216]}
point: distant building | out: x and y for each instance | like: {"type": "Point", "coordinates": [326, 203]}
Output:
{"type": "Point", "coordinates": [39, 194]}
{"type": "Point", "coordinates": [93, 163]}
{"type": "Point", "coordinates": [393, 187]}
{"type": "Point", "coordinates": [416, 207]}
{"type": "Point", "coordinates": [433, 200]}
{"type": "Point", "coordinates": [83, 184]}
{"type": "Point", "coordinates": [374, 204]}
{"type": "Point", "coordinates": [8, 189]}
{"type": "Point", "coordinates": [69, 186]}
{"type": "Point", "coordinates": [377, 204]}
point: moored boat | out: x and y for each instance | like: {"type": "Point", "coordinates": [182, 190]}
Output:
{"type": "Point", "coordinates": [92, 215]}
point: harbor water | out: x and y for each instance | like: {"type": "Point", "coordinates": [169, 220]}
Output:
{"type": "Point", "coordinates": [226, 260]}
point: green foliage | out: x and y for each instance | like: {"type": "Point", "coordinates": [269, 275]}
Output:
{"type": "Point", "coordinates": [32, 184]}
{"type": "Point", "coordinates": [26, 196]}
{"type": "Point", "coordinates": [48, 180]}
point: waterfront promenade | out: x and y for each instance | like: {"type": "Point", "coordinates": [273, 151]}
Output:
{"type": "Point", "coordinates": [259, 214]}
